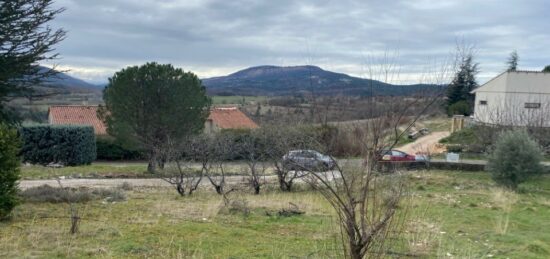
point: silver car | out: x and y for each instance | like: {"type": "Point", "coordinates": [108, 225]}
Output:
{"type": "Point", "coordinates": [310, 160]}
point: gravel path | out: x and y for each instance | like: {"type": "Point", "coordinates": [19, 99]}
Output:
{"type": "Point", "coordinates": [147, 182]}
{"type": "Point", "coordinates": [115, 182]}
{"type": "Point", "coordinates": [425, 143]}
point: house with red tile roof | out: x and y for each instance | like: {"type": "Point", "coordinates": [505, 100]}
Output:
{"type": "Point", "coordinates": [228, 118]}
{"type": "Point", "coordinates": [76, 115]}
{"type": "Point", "coordinates": [220, 118]}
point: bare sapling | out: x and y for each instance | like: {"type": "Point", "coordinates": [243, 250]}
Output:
{"type": "Point", "coordinates": [251, 148]}
{"type": "Point", "coordinates": [283, 140]}
{"type": "Point", "coordinates": [366, 200]}
{"type": "Point", "coordinates": [181, 170]}
{"type": "Point", "coordinates": [221, 146]}
{"type": "Point", "coordinates": [75, 217]}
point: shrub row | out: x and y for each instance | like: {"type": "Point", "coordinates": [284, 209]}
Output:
{"type": "Point", "coordinates": [109, 149]}
{"type": "Point", "coordinates": [65, 144]}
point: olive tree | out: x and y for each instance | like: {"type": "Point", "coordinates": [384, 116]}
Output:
{"type": "Point", "coordinates": [515, 158]}
{"type": "Point", "coordinates": [147, 106]}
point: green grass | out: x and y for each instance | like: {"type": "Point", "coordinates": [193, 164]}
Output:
{"type": "Point", "coordinates": [97, 169]}
{"type": "Point", "coordinates": [465, 136]}
{"type": "Point", "coordinates": [436, 124]}
{"type": "Point", "coordinates": [217, 100]}
{"type": "Point", "coordinates": [109, 170]}
{"type": "Point", "coordinates": [450, 214]}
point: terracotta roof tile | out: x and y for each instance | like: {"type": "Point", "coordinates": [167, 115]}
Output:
{"type": "Point", "coordinates": [77, 115]}
{"type": "Point", "coordinates": [224, 118]}
{"type": "Point", "coordinates": [231, 118]}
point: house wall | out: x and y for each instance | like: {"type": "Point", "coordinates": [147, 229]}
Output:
{"type": "Point", "coordinates": [528, 82]}
{"type": "Point", "coordinates": [506, 97]}
{"type": "Point", "coordinates": [509, 109]}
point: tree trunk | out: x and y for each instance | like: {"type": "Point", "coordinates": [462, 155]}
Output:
{"type": "Point", "coordinates": [219, 189]}
{"type": "Point", "coordinates": [152, 166]}
{"type": "Point", "coordinates": [256, 188]}
{"type": "Point", "coordinates": [180, 189]}
{"type": "Point", "coordinates": [355, 252]}
{"type": "Point", "coordinates": [283, 185]}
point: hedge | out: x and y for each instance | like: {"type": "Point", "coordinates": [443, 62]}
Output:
{"type": "Point", "coordinates": [66, 144]}
{"type": "Point", "coordinates": [109, 149]}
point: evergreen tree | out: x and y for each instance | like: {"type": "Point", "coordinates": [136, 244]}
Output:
{"type": "Point", "coordinates": [513, 61]}
{"type": "Point", "coordinates": [9, 169]}
{"type": "Point", "coordinates": [463, 83]}
{"type": "Point", "coordinates": [25, 40]}
{"type": "Point", "coordinates": [258, 110]}
{"type": "Point", "coordinates": [150, 105]}
{"type": "Point", "coordinates": [546, 69]}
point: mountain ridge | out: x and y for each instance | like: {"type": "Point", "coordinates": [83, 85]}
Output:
{"type": "Point", "coordinates": [290, 80]}
{"type": "Point", "coordinates": [65, 82]}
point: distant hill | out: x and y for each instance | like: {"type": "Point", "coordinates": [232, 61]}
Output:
{"type": "Point", "coordinates": [275, 80]}
{"type": "Point", "coordinates": [62, 82]}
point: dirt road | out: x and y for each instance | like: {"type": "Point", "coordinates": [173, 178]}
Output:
{"type": "Point", "coordinates": [154, 182]}
{"type": "Point", "coordinates": [109, 183]}
{"type": "Point", "coordinates": [426, 143]}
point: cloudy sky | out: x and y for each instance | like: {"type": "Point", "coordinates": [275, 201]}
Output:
{"type": "Point", "coordinates": [218, 37]}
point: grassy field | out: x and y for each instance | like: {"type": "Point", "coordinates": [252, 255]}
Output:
{"type": "Point", "coordinates": [452, 214]}
{"type": "Point", "coordinates": [97, 169]}
{"type": "Point", "coordinates": [106, 170]}
{"type": "Point", "coordinates": [217, 100]}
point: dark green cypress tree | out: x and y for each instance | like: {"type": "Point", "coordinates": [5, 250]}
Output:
{"type": "Point", "coordinates": [463, 83]}
{"type": "Point", "coordinates": [9, 169]}
{"type": "Point", "coordinates": [513, 61]}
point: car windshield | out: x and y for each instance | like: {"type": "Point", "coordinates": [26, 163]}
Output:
{"type": "Point", "coordinates": [398, 153]}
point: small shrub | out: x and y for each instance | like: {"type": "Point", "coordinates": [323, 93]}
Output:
{"type": "Point", "coordinates": [464, 137]}
{"type": "Point", "coordinates": [126, 186]}
{"type": "Point", "coordinates": [454, 148]}
{"type": "Point", "coordinates": [110, 195]}
{"type": "Point", "coordinates": [239, 206]}
{"type": "Point", "coordinates": [46, 193]}
{"type": "Point", "coordinates": [9, 169]}
{"type": "Point", "coordinates": [515, 158]}
{"type": "Point", "coordinates": [292, 210]}
{"type": "Point", "coordinates": [67, 144]}
{"type": "Point", "coordinates": [460, 108]}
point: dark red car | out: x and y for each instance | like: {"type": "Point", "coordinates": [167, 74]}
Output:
{"type": "Point", "coordinates": [395, 155]}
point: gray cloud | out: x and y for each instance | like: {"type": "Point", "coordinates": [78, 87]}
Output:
{"type": "Point", "coordinates": [216, 37]}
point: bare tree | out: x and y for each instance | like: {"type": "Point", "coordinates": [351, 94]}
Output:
{"type": "Point", "coordinates": [282, 140]}
{"type": "Point", "coordinates": [365, 200]}
{"type": "Point", "coordinates": [221, 146]}
{"type": "Point", "coordinates": [180, 170]}
{"type": "Point", "coordinates": [75, 217]}
{"type": "Point", "coordinates": [251, 147]}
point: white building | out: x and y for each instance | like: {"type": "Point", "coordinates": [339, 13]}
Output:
{"type": "Point", "coordinates": [514, 98]}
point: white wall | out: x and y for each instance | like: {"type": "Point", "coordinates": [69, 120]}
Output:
{"type": "Point", "coordinates": [506, 96]}
{"type": "Point", "coordinates": [509, 109]}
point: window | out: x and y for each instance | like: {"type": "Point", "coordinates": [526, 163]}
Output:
{"type": "Point", "coordinates": [482, 102]}
{"type": "Point", "coordinates": [532, 105]}
{"type": "Point", "coordinates": [398, 153]}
